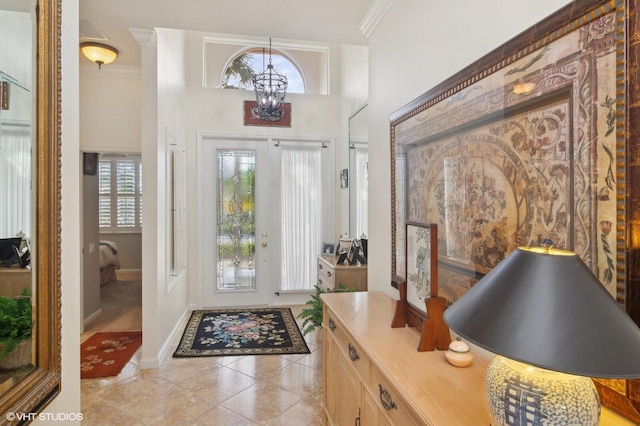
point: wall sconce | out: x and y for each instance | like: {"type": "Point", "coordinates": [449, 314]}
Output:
{"type": "Point", "coordinates": [99, 53]}
{"type": "Point", "coordinates": [553, 326]}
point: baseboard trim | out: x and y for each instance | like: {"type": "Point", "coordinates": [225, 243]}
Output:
{"type": "Point", "coordinates": [91, 317]}
{"type": "Point", "coordinates": [165, 350]}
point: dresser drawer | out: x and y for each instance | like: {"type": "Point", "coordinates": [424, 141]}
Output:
{"type": "Point", "coordinates": [390, 401]}
{"type": "Point", "coordinates": [325, 276]}
{"type": "Point", "coordinates": [350, 348]}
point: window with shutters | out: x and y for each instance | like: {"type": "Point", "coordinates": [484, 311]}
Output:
{"type": "Point", "coordinates": [120, 194]}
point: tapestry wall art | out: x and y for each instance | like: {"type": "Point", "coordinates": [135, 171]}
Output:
{"type": "Point", "coordinates": [497, 168]}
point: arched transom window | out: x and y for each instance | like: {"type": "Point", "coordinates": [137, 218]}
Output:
{"type": "Point", "coordinates": [240, 70]}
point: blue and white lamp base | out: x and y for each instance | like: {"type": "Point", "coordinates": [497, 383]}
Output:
{"type": "Point", "coordinates": [520, 394]}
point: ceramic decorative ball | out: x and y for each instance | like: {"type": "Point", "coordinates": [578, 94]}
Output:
{"type": "Point", "coordinates": [518, 393]}
{"type": "Point", "coordinates": [458, 353]}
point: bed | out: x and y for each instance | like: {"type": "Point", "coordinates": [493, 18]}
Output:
{"type": "Point", "coordinates": [109, 261]}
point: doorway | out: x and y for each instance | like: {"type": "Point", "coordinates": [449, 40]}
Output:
{"type": "Point", "coordinates": [265, 207]}
{"type": "Point", "coordinates": [112, 233]}
{"type": "Point", "coordinates": [234, 240]}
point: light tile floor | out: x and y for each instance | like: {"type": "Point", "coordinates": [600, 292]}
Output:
{"type": "Point", "coordinates": [240, 390]}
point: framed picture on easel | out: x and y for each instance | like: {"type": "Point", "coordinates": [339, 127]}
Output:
{"type": "Point", "coordinates": [422, 263]}
{"type": "Point", "coordinates": [419, 305]}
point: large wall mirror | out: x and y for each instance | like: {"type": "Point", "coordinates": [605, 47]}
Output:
{"type": "Point", "coordinates": [359, 173]}
{"type": "Point", "coordinates": [29, 207]}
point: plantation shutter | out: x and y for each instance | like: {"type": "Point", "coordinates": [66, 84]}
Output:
{"type": "Point", "coordinates": [120, 194]}
{"type": "Point", "coordinates": [104, 194]}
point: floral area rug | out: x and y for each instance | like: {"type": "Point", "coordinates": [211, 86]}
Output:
{"type": "Point", "coordinates": [105, 354]}
{"type": "Point", "coordinates": [242, 331]}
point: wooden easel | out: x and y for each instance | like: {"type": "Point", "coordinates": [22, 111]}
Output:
{"type": "Point", "coordinates": [434, 331]}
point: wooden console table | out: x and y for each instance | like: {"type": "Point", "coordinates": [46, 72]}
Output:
{"type": "Point", "coordinates": [14, 280]}
{"type": "Point", "coordinates": [331, 274]}
{"type": "Point", "coordinates": [374, 373]}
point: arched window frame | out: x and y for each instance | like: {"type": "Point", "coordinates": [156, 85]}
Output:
{"type": "Point", "coordinates": [259, 67]}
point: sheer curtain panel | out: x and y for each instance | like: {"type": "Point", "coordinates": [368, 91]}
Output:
{"type": "Point", "coordinates": [15, 180]}
{"type": "Point", "coordinates": [301, 210]}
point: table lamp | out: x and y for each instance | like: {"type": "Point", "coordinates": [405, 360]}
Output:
{"type": "Point", "coordinates": [553, 326]}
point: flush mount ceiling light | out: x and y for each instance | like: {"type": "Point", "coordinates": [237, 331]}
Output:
{"type": "Point", "coordinates": [271, 88]}
{"type": "Point", "coordinates": [99, 53]}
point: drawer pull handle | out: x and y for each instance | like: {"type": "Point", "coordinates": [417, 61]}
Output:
{"type": "Point", "coordinates": [328, 273]}
{"type": "Point", "coordinates": [353, 354]}
{"type": "Point", "coordinates": [319, 266]}
{"type": "Point", "coordinates": [319, 281]}
{"type": "Point", "coordinates": [385, 398]}
{"type": "Point", "coordinates": [332, 324]}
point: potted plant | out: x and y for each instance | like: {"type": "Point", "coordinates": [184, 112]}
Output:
{"type": "Point", "coordinates": [16, 325]}
{"type": "Point", "coordinates": [312, 314]}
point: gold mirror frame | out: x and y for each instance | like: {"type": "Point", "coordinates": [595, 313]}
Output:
{"type": "Point", "coordinates": [38, 388]}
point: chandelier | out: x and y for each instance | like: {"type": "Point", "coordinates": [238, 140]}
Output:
{"type": "Point", "coordinates": [271, 88]}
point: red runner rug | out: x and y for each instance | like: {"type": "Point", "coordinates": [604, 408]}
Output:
{"type": "Point", "coordinates": [106, 354]}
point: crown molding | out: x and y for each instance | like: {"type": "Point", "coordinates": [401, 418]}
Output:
{"type": "Point", "coordinates": [143, 37]}
{"type": "Point", "coordinates": [374, 15]}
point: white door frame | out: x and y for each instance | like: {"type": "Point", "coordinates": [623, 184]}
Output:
{"type": "Point", "coordinates": [209, 295]}
{"type": "Point", "coordinates": [272, 225]}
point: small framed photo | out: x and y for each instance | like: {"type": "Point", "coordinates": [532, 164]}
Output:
{"type": "Point", "coordinates": [344, 245]}
{"type": "Point", "coordinates": [356, 254]}
{"type": "Point", "coordinates": [329, 249]}
{"type": "Point", "coordinates": [90, 166]}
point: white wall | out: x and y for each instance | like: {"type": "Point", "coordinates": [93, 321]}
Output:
{"type": "Point", "coordinates": [17, 28]}
{"type": "Point", "coordinates": [417, 45]}
{"type": "Point", "coordinates": [172, 120]}
{"type": "Point", "coordinates": [354, 87]}
{"type": "Point", "coordinates": [163, 112]}
{"type": "Point", "coordinates": [110, 109]}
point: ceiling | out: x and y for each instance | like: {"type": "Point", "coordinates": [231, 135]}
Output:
{"type": "Point", "coordinates": [327, 21]}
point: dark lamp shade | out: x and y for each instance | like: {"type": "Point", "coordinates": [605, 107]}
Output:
{"type": "Point", "coordinates": [546, 308]}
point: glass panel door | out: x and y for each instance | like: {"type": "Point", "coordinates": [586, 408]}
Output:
{"type": "Point", "coordinates": [234, 243]}
{"type": "Point", "coordinates": [236, 220]}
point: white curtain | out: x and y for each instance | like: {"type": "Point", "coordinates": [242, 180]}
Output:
{"type": "Point", "coordinates": [15, 180]}
{"type": "Point", "coordinates": [362, 191]}
{"type": "Point", "coordinates": [301, 209]}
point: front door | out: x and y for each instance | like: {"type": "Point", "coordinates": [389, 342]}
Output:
{"type": "Point", "coordinates": [234, 245]}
